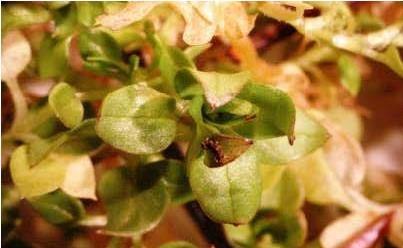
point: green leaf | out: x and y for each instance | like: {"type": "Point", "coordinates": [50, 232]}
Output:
{"type": "Point", "coordinates": [45, 177]}
{"type": "Point", "coordinates": [66, 106]}
{"type": "Point", "coordinates": [87, 12]}
{"type": "Point", "coordinates": [230, 193]}
{"type": "Point", "coordinates": [58, 207]}
{"type": "Point", "coordinates": [234, 112]}
{"type": "Point", "coordinates": [169, 59]}
{"type": "Point", "coordinates": [285, 230]}
{"type": "Point", "coordinates": [40, 148]}
{"type": "Point", "coordinates": [367, 22]}
{"type": "Point", "coordinates": [53, 57]}
{"type": "Point", "coordinates": [135, 199]}
{"type": "Point", "coordinates": [203, 130]}
{"type": "Point", "coordinates": [102, 54]}
{"type": "Point", "coordinates": [176, 180]}
{"type": "Point", "coordinates": [276, 116]}
{"type": "Point", "coordinates": [350, 75]}
{"type": "Point", "coordinates": [241, 235]}
{"type": "Point", "coordinates": [82, 139]}
{"type": "Point", "coordinates": [309, 135]}
{"type": "Point", "coordinates": [137, 119]}
{"type": "Point", "coordinates": [186, 85]}
{"type": "Point", "coordinates": [57, 5]}
{"type": "Point", "coordinates": [219, 88]}
{"type": "Point", "coordinates": [286, 196]}
{"type": "Point", "coordinates": [19, 15]}
{"type": "Point", "coordinates": [178, 244]}
{"type": "Point", "coordinates": [65, 21]}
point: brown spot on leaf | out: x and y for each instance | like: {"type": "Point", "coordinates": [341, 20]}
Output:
{"type": "Point", "coordinates": [225, 148]}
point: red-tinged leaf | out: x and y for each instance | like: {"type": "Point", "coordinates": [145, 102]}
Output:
{"type": "Point", "coordinates": [371, 234]}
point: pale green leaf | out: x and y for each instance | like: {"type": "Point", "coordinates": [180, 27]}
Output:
{"type": "Point", "coordinates": [135, 199]}
{"type": "Point", "coordinates": [87, 12]}
{"type": "Point", "coordinates": [19, 15]}
{"type": "Point", "coordinates": [45, 177]}
{"type": "Point", "coordinates": [169, 59]}
{"type": "Point", "coordinates": [286, 196]}
{"type": "Point", "coordinates": [74, 174]}
{"type": "Point", "coordinates": [241, 235]}
{"type": "Point", "coordinates": [230, 193]}
{"type": "Point", "coordinates": [321, 184]}
{"type": "Point", "coordinates": [309, 135]}
{"type": "Point", "coordinates": [66, 106]}
{"type": "Point", "coordinates": [219, 88]}
{"type": "Point", "coordinates": [137, 119]}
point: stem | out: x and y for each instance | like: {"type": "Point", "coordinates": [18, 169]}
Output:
{"type": "Point", "coordinates": [20, 104]}
{"type": "Point", "coordinates": [212, 231]}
